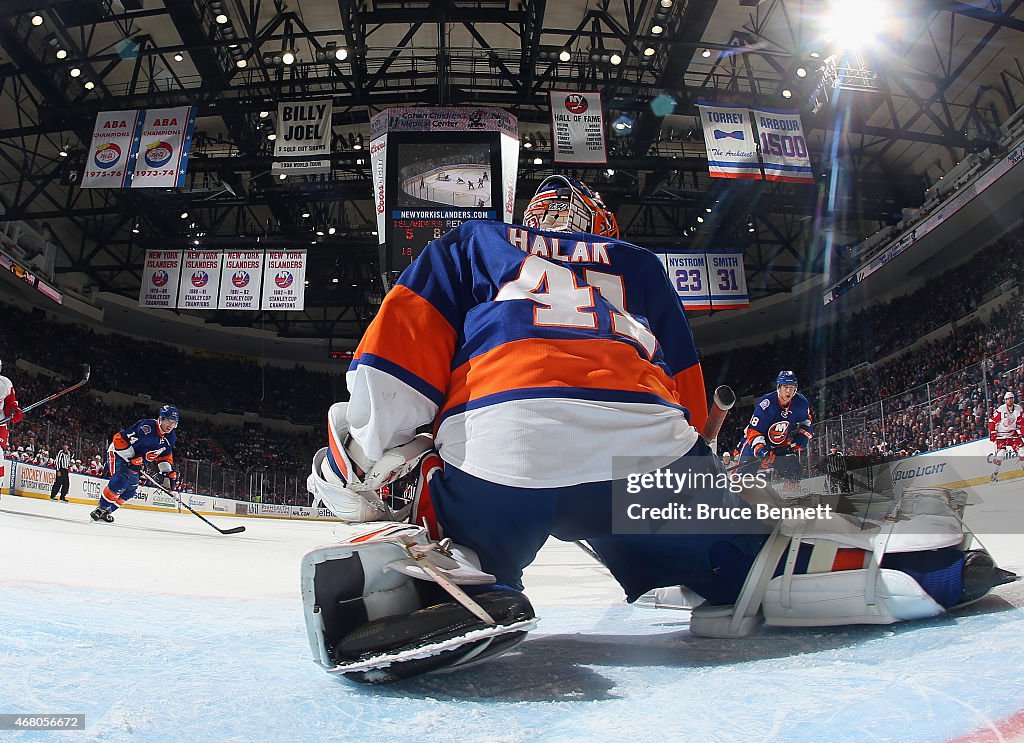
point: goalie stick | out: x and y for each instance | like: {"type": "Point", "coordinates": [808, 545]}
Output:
{"type": "Point", "coordinates": [85, 380]}
{"type": "Point", "coordinates": [154, 483]}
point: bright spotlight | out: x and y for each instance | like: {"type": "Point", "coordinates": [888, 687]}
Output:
{"type": "Point", "coordinates": [89, 85]}
{"type": "Point", "coordinates": [75, 72]}
{"type": "Point", "coordinates": [615, 59]}
{"type": "Point", "coordinates": [341, 54]}
{"type": "Point", "coordinates": [564, 56]}
{"type": "Point", "coordinates": [241, 63]}
{"type": "Point", "coordinates": [854, 24]}
{"type": "Point", "coordinates": [221, 18]}
{"type": "Point", "coordinates": [37, 20]}
{"type": "Point", "coordinates": [288, 58]}
{"type": "Point", "coordinates": [62, 53]}
{"type": "Point", "coordinates": [787, 93]}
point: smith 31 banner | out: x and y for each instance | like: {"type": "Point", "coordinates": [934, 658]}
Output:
{"type": "Point", "coordinates": [240, 280]}
{"type": "Point", "coordinates": [577, 128]}
{"type": "Point", "coordinates": [708, 281]}
{"type": "Point", "coordinates": [303, 129]}
{"type": "Point", "coordinates": [162, 147]}
{"type": "Point", "coordinates": [111, 147]}
{"type": "Point", "coordinates": [783, 147]}
{"type": "Point", "coordinates": [200, 280]}
{"type": "Point", "coordinates": [284, 281]}
{"type": "Point", "coordinates": [729, 138]}
{"type": "Point", "coordinates": [160, 279]}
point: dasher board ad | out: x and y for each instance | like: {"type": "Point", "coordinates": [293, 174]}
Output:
{"type": "Point", "coordinates": [284, 285]}
{"type": "Point", "coordinates": [240, 281]}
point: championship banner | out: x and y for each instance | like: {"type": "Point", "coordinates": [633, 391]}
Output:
{"type": "Point", "coordinates": [106, 164]}
{"type": "Point", "coordinates": [200, 280]}
{"type": "Point", "coordinates": [160, 275]}
{"type": "Point", "coordinates": [728, 281]}
{"type": "Point", "coordinates": [783, 147]}
{"type": "Point", "coordinates": [732, 150]}
{"type": "Point", "coordinates": [240, 281]}
{"type": "Point", "coordinates": [284, 285]}
{"type": "Point", "coordinates": [300, 167]}
{"type": "Point", "coordinates": [688, 273]}
{"type": "Point", "coordinates": [162, 148]}
{"type": "Point", "coordinates": [708, 281]}
{"type": "Point", "coordinates": [577, 128]}
{"type": "Point", "coordinates": [303, 129]}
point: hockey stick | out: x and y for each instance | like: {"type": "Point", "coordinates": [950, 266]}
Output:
{"type": "Point", "coordinates": [55, 395]}
{"type": "Point", "coordinates": [154, 483]}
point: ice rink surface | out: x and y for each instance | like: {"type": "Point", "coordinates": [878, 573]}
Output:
{"type": "Point", "coordinates": [158, 628]}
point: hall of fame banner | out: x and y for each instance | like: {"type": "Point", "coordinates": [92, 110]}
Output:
{"type": "Point", "coordinates": [708, 281]}
{"type": "Point", "coordinates": [160, 274]}
{"type": "Point", "coordinates": [200, 280]}
{"type": "Point", "coordinates": [240, 280]}
{"type": "Point", "coordinates": [284, 280]}
{"type": "Point", "coordinates": [577, 128]}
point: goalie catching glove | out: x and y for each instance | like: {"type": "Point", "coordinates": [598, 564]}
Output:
{"type": "Point", "coordinates": [351, 485]}
{"type": "Point", "coordinates": [388, 604]}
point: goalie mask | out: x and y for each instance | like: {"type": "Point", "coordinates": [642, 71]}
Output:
{"type": "Point", "coordinates": [567, 205]}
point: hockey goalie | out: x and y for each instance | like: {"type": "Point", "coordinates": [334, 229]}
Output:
{"type": "Point", "coordinates": [493, 401]}
{"type": "Point", "coordinates": [1005, 431]}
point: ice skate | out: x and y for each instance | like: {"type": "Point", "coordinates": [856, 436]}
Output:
{"type": "Point", "coordinates": [101, 514]}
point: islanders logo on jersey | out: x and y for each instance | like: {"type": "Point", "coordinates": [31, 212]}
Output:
{"type": "Point", "coordinates": [240, 279]}
{"type": "Point", "coordinates": [284, 279]}
{"type": "Point", "coordinates": [779, 432]}
{"type": "Point", "coordinates": [160, 278]}
{"type": "Point", "coordinates": [158, 153]}
{"type": "Point", "coordinates": [107, 155]}
{"type": "Point", "coordinates": [576, 104]}
{"type": "Point", "coordinates": [200, 278]}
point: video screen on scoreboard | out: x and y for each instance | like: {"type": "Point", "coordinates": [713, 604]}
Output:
{"type": "Point", "coordinates": [437, 181]}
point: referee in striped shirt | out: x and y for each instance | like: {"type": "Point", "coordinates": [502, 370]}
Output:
{"type": "Point", "coordinates": [62, 482]}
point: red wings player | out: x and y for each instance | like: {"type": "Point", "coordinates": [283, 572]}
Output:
{"type": "Point", "coordinates": [1004, 430]}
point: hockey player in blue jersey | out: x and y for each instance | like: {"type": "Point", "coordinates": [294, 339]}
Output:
{"type": "Point", "coordinates": [148, 440]}
{"type": "Point", "coordinates": [779, 428]}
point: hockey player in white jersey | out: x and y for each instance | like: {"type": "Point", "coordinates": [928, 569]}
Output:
{"type": "Point", "coordinates": [538, 356]}
{"type": "Point", "coordinates": [9, 408]}
{"type": "Point", "coordinates": [1005, 431]}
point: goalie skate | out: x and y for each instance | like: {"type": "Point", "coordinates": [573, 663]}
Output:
{"type": "Point", "coordinates": [387, 604]}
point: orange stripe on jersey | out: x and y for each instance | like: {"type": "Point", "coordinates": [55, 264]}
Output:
{"type": "Point", "coordinates": [120, 442]}
{"type": "Point", "coordinates": [339, 459]}
{"type": "Point", "coordinates": [849, 558]}
{"type": "Point", "coordinates": [410, 332]}
{"type": "Point", "coordinates": [692, 395]}
{"type": "Point", "coordinates": [113, 497]}
{"type": "Point", "coordinates": [548, 362]}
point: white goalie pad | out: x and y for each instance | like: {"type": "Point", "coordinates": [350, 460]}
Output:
{"type": "Point", "coordinates": [327, 488]}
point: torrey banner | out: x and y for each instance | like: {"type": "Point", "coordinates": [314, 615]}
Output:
{"type": "Point", "coordinates": [732, 149]}
{"type": "Point", "coordinates": [708, 281]}
{"type": "Point", "coordinates": [111, 147]}
{"type": "Point", "coordinates": [200, 280]}
{"type": "Point", "coordinates": [160, 275]}
{"type": "Point", "coordinates": [783, 147]}
{"type": "Point", "coordinates": [303, 128]}
{"type": "Point", "coordinates": [162, 147]}
{"type": "Point", "coordinates": [240, 281]}
{"type": "Point", "coordinates": [577, 128]}
{"type": "Point", "coordinates": [284, 283]}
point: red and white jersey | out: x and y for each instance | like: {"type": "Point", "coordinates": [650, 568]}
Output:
{"type": "Point", "coordinates": [1006, 423]}
{"type": "Point", "coordinates": [7, 396]}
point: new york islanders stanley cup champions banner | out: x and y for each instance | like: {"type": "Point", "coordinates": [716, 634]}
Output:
{"type": "Point", "coordinates": [200, 280]}
{"type": "Point", "coordinates": [240, 281]}
{"type": "Point", "coordinates": [729, 138]}
{"type": "Point", "coordinates": [577, 128]}
{"type": "Point", "coordinates": [162, 148]}
{"type": "Point", "coordinates": [284, 280]}
{"type": "Point", "coordinates": [160, 275]}
{"type": "Point", "coordinates": [111, 148]}
{"type": "Point", "coordinates": [783, 147]}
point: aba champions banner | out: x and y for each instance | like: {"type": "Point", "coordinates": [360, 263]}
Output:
{"type": "Point", "coordinates": [111, 148]}
{"type": "Point", "coordinates": [200, 280]}
{"type": "Point", "coordinates": [708, 281]}
{"type": "Point", "coordinates": [783, 147]}
{"type": "Point", "coordinates": [161, 157]}
{"type": "Point", "coordinates": [729, 138]}
{"type": "Point", "coordinates": [240, 281]}
{"type": "Point", "coordinates": [577, 128]}
{"type": "Point", "coordinates": [284, 281]}
{"type": "Point", "coordinates": [160, 275]}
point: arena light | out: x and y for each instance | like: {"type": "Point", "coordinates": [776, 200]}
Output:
{"type": "Point", "coordinates": [271, 136]}
{"type": "Point", "coordinates": [615, 59]}
{"type": "Point", "coordinates": [288, 58]}
{"type": "Point", "coordinates": [221, 18]}
{"type": "Point", "coordinates": [62, 53]}
{"type": "Point", "coordinates": [37, 20]}
{"type": "Point", "coordinates": [700, 220]}
{"type": "Point", "coordinates": [657, 29]}
{"type": "Point", "coordinates": [331, 230]}
{"type": "Point", "coordinates": [706, 53]}
{"type": "Point", "coordinates": [305, 215]}
{"type": "Point", "coordinates": [853, 24]}
{"type": "Point", "coordinates": [666, 3]}
{"type": "Point", "coordinates": [801, 72]}
{"type": "Point", "coordinates": [787, 93]}
{"type": "Point", "coordinates": [564, 55]}
{"type": "Point", "coordinates": [240, 63]}
{"type": "Point", "coordinates": [75, 72]}
{"type": "Point", "coordinates": [136, 229]}
{"type": "Point", "coordinates": [264, 114]}
{"type": "Point", "coordinates": [649, 51]}
{"type": "Point", "coordinates": [89, 85]}
{"type": "Point", "coordinates": [184, 215]}
{"type": "Point", "coordinates": [538, 161]}
{"type": "Point", "coordinates": [178, 57]}
{"type": "Point", "coordinates": [282, 176]}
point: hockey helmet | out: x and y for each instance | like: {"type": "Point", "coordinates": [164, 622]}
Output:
{"type": "Point", "coordinates": [1009, 396]}
{"type": "Point", "coordinates": [786, 377]}
{"type": "Point", "coordinates": [168, 412]}
{"type": "Point", "coordinates": [564, 204]}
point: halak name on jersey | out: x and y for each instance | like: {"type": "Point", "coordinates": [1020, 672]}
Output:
{"type": "Point", "coordinates": [775, 425]}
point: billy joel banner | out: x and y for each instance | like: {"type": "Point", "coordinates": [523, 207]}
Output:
{"type": "Point", "coordinates": [200, 280]}
{"type": "Point", "coordinates": [284, 281]}
{"type": "Point", "coordinates": [162, 147]}
{"type": "Point", "coordinates": [111, 148]}
{"type": "Point", "coordinates": [783, 147]}
{"type": "Point", "coordinates": [732, 149]}
{"type": "Point", "coordinates": [708, 281]}
{"type": "Point", "coordinates": [303, 129]}
{"type": "Point", "coordinates": [240, 281]}
{"type": "Point", "coordinates": [160, 279]}
{"type": "Point", "coordinates": [577, 128]}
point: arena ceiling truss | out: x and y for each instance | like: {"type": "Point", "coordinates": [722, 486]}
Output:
{"type": "Point", "coordinates": [932, 92]}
